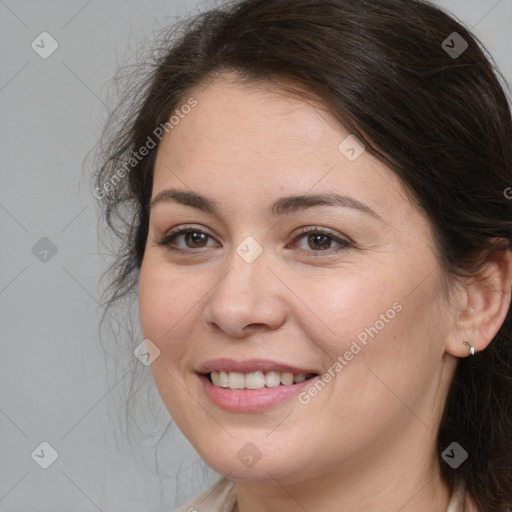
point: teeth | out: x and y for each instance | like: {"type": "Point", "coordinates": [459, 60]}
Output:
{"type": "Point", "coordinates": [272, 379]}
{"type": "Point", "coordinates": [287, 379]}
{"type": "Point", "coordinates": [236, 380]}
{"type": "Point", "coordinates": [255, 380]}
{"type": "Point", "coordinates": [223, 379]}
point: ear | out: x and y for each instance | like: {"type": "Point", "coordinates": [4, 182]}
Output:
{"type": "Point", "coordinates": [485, 303]}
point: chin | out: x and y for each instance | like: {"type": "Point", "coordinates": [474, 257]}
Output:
{"type": "Point", "coordinates": [244, 461]}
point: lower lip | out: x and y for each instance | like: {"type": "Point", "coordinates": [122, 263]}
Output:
{"type": "Point", "coordinates": [251, 400]}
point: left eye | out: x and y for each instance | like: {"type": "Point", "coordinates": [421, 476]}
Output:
{"type": "Point", "coordinates": [321, 241]}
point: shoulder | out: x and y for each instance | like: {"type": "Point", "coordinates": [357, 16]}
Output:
{"type": "Point", "coordinates": [220, 497]}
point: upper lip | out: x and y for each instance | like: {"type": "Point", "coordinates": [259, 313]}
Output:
{"type": "Point", "coordinates": [249, 366]}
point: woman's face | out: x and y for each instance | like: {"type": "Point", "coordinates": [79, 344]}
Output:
{"type": "Point", "coordinates": [289, 280]}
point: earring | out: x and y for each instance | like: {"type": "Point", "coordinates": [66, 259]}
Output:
{"type": "Point", "coordinates": [471, 348]}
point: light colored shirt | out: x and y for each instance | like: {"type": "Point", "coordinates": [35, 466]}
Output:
{"type": "Point", "coordinates": [221, 497]}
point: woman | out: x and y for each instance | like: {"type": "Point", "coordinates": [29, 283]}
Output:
{"type": "Point", "coordinates": [314, 195]}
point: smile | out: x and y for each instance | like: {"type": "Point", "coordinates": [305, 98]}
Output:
{"type": "Point", "coordinates": [256, 380]}
{"type": "Point", "coordinates": [252, 385]}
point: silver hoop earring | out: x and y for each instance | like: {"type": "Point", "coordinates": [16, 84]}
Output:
{"type": "Point", "coordinates": [471, 348]}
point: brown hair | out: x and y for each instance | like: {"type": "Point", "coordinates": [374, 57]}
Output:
{"type": "Point", "coordinates": [441, 122]}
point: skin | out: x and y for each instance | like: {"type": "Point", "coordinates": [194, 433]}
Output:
{"type": "Point", "coordinates": [367, 440]}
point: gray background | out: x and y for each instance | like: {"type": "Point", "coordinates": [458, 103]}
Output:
{"type": "Point", "coordinates": [54, 385]}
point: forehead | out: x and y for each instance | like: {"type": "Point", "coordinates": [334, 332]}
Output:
{"type": "Point", "coordinates": [257, 142]}
{"type": "Point", "coordinates": [241, 120]}
{"type": "Point", "coordinates": [253, 129]}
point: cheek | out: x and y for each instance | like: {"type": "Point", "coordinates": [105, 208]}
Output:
{"type": "Point", "coordinates": [166, 302]}
{"type": "Point", "coordinates": [390, 349]}
{"type": "Point", "coordinates": [367, 320]}
{"type": "Point", "coordinates": [343, 306]}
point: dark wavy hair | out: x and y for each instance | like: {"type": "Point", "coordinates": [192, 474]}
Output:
{"type": "Point", "coordinates": [439, 120]}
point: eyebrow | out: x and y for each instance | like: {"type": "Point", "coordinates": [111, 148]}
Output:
{"type": "Point", "coordinates": [282, 206]}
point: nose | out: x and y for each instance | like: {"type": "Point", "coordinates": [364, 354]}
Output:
{"type": "Point", "coordinates": [247, 298]}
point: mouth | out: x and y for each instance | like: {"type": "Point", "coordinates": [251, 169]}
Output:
{"type": "Point", "coordinates": [256, 380]}
{"type": "Point", "coordinates": [253, 385]}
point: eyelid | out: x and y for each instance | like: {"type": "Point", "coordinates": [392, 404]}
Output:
{"type": "Point", "coordinates": [326, 231]}
{"type": "Point", "coordinates": [181, 229]}
{"type": "Point", "coordinates": [184, 227]}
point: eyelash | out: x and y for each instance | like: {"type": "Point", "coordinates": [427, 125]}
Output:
{"type": "Point", "coordinates": [170, 236]}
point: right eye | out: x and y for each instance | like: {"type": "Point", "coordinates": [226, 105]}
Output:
{"type": "Point", "coordinates": [192, 236]}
